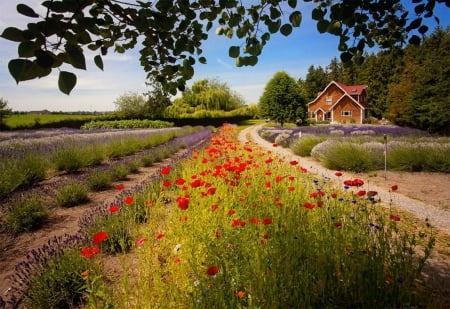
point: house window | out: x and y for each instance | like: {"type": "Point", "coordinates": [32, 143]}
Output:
{"type": "Point", "coordinates": [329, 100]}
{"type": "Point", "coordinates": [346, 113]}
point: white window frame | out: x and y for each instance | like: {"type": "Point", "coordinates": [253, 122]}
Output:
{"type": "Point", "coordinates": [329, 100]}
{"type": "Point", "coordinates": [346, 113]}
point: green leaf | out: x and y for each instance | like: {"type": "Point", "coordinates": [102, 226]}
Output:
{"type": "Point", "coordinates": [75, 56]}
{"type": "Point", "coordinates": [13, 34]}
{"type": "Point", "coordinates": [98, 62]}
{"type": "Point", "coordinates": [274, 26]}
{"type": "Point", "coordinates": [274, 13]}
{"type": "Point", "coordinates": [19, 69]}
{"type": "Point", "coordinates": [295, 18]}
{"type": "Point", "coordinates": [234, 51]}
{"type": "Point", "coordinates": [415, 40]}
{"type": "Point", "coordinates": [317, 14]}
{"type": "Point", "coordinates": [286, 29]}
{"type": "Point", "coordinates": [346, 57]}
{"type": "Point", "coordinates": [322, 25]}
{"type": "Point", "coordinates": [292, 3]}
{"type": "Point", "coordinates": [26, 49]}
{"type": "Point", "coordinates": [26, 10]}
{"type": "Point", "coordinates": [44, 59]}
{"type": "Point", "coordinates": [202, 60]}
{"type": "Point", "coordinates": [66, 81]}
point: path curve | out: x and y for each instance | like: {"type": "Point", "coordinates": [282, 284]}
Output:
{"type": "Point", "coordinates": [437, 217]}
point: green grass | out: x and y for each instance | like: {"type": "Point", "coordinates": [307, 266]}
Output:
{"type": "Point", "coordinates": [29, 120]}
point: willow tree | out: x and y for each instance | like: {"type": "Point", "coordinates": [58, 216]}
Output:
{"type": "Point", "coordinates": [171, 33]}
{"type": "Point", "coordinates": [283, 100]}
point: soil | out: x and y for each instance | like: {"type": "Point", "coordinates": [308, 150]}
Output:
{"type": "Point", "coordinates": [431, 188]}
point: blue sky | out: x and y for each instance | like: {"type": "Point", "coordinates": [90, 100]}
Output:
{"type": "Point", "coordinates": [96, 90]}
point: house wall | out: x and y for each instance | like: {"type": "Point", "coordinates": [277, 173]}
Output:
{"type": "Point", "coordinates": [347, 105]}
{"type": "Point", "coordinates": [332, 91]}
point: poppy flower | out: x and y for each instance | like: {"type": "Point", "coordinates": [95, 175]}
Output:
{"type": "Point", "coordinates": [337, 224]}
{"type": "Point", "coordinates": [338, 174]}
{"type": "Point", "coordinates": [211, 191]}
{"type": "Point", "coordinates": [267, 221]}
{"type": "Point", "coordinates": [218, 234]}
{"type": "Point", "coordinates": [87, 252]}
{"type": "Point", "coordinates": [361, 193]}
{"type": "Point", "coordinates": [177, 260]}
{"type": "Point", "coordinates": [394, 187]}
{"type": "Point", "coordinates": [165, 170]}
{"type": "Point", "coordinates": [293, 162]}
{"type": "Point", "coordinates": [120, 187]}
{"type": "Point", "coordinates": [99, 237]}
{"type": "Point", "coordinates": [114, 209]}
{"type": "Point", "coordinates": [308, 205]}
{"type": "Point", "coordinates": [85, 273]}
{"type": "Point", "coordinates": [231, 212]}
{"type": "Point", "coordinates": [212, 271]}
{"type": "Point", "coordinates": [268, 185]}
{"type": "Point", "coordinates": [140, 242]}
{"type": "Point", "coordinates": [291, 188]}
{"type": "Point", "coordinates": [214, 207]}
{"type": "Point", "coordinates": [167, 183]}
{"type": "Point", "coordinates": [394, 217]}
{"type": "Point", "coordinates": [240, 294]}
{"type": "Point", "coordinates": [196, 183]}
{"type": "Point", "coordinates": [180, 181]}
{"type": "Point", "coordinates": [254, 221]}
{"type": "Point", "coordinates": [160, 236]}
{"type": "Point", "coordinates": [275, 145]}
{"type": "Point", "coordinates": [333, 195]}
{"type": "Point", "coordinates": [129, 200]}
{"type": "Point", "coordinates": [183, 203]}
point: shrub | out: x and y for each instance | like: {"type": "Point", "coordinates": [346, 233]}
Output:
{"type": "Point", "coordinates": [32, 168]}
{"type": "Point", "coordinates": [133, 167]}
{"type": "Point", "coordinates": [147, 160]}
{"type": "Point", "coordinates": [119, 172]}
{"type": "Point", "coordinates": [60, 284]}
{"type": "Point", "coordinates": [118, 228]}
{"type": "Point", "coordinates": [99, 181]}
{"type": "Point", "coordinates": [303, 146]}
{"type": "Point", "coordinates": [72, 194]}
{"type": "Point", "coordinates": [69, 159]}
{"type": "Point", "coordinates": [26, 214]}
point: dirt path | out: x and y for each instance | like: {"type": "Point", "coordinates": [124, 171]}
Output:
{"type": "Point", "coordinates": [423, 195]}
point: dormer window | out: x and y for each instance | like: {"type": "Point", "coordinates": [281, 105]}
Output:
{"type": "Point", "coordinates": [329, 100]}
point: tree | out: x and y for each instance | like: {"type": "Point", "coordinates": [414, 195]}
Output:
{"type": "Point", "coordinates": [316, 80]}
{"type": "Point", "coordinates": [171, 33]}
{"type": "Point", "coordinates": [282, 100]}
{"type": "Point", "coordinates": [157, 100]}
{"type": "Point", "coordinates": [132, 105]}
{"type": "Point", "coordinates": [4, 111]}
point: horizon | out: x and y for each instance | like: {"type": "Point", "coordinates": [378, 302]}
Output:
{"type": "Point", "coordinates": [97, 90]}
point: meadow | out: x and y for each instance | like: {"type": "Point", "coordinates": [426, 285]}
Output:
{"type": "Point", "coordinates": [234, 226]}
{"type": "Point", "coordinates": [15, 121]}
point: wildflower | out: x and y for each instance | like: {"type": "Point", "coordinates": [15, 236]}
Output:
{"type": "Point", "coordinates": [214, 207]}
{"type": "Point", "coordinates": [267, 221]}
{"type": "Point", "coordinates": [291, 188]}
{"type": "Point", "coordinates": [308, 205]}
{"type": "Point", "coordinates": [218, 234]}
{"type": "Point", "coordinates": [129, 200]}
{"type": "Point", "coordinates": [240, 294]}
{"type": "Point", "coordinates": [183, 203]}
{"type": "Point", "coordinates": [211, 191]}
{"type": "Point", "coordinates": [293, 162]}
{"type": "Point", "coordinates": [361, 193]}
{"type": "Point", "coordinates": [394, 187]}
{"type": "Point", "coordinates": [333, 195]}
{"type": "Point", "coordinates": [394, 217]}
{"type": "Point", "coordinates": [180, 181]}
{"type": "Point", "coordinates": [196, 183]}
{"type": "Point", "coordinates": [231, 212]}
{"type": "Point", "coordinates": [120, 187]}
{"type": "Point", "coordinates": [114, 209]}
{"type": "Point", "coordinates": [254, 221]}
{"type": "Point", "coordinates": [167, 183]}
{"type": "Point", "coordinates": [275, 145]}
{"type": "Point", "coordinates": [165, 170]}
{"type": "Point", "coordinates": [99, 237]}
{"type": "Point", "coordinates": [88, 251]}
{"type": "Point", "coordinates": [160, 236]}
{"type": "Point", "coordinates": [140, 242]}
{"type": "Point", "coordinates": [337, 224]}
{"type": "Point", "coordinates": [212, 271]}
{"type": "Point", "coordinates": [338, 174]}
{"type": "Point", "coordinates": [85, 273]}
{"type": "Point", "coordinates": [177, 260]}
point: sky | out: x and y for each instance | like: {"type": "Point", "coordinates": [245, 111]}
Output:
{"type": "Point", "coordinates": [97, 90]}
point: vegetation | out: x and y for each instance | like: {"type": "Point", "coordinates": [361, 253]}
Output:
{"type": "Point", "coordinates": [126, 124]}
{"type": "Point", "coordinates": [283, 100]}
{"type": "Point", "coordinates": [26, 214]}
{"type": "Point", "coordinates": [72, 194]}
{"type": "Point", "coordinates": [31, 120]}
{"type": "Point", "coordinates": [108, 26]}
{"type": "Point", "coordinates": [4, 111]}
{"type": "Point", "coordinates": [408, 86]}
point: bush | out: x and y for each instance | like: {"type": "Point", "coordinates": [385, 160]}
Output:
{"type": "Point", "coordinates": [147, 160]}
{"type": "Point", "coordinates": [119, 172]}
{"type": "Point", "coordinates": [72, 195]}
{"type": "Point", "coordinates": [118, 228]}
{"type": "Point", "coordinates": [69, 159]}
{"type": "Point", "coordinates": [303, 146]}
{"type": "Point", "coordinates": [99, 181]}
{"type": "Point", "coordinates": [59, 284]}
{"type": "Point", "coordinates": [26, 214]}
{"type": "Point", "coordinates": [32, 168]}
{"type": "Point", "coordinates": [133, 167]}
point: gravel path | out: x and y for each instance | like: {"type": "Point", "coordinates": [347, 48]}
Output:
{"type": "Point", "coordinates": [437, 217]}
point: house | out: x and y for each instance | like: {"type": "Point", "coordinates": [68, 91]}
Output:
{"type": "Point", "coordinates": [339, 103]}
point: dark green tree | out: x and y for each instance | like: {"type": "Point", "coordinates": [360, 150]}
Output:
{"type": "Point", "coordinates": [282, 100]}
{"type": "Point", "coordinates": [157, 100]}
{"type": "Point", "coordinates": [171, 33]}
{"type": "Point", "coordinates": [132, 105]}
{"type": "Point", "coordinates": [315, 81]}
{"type": "Point", "coordinates": [4, 111]}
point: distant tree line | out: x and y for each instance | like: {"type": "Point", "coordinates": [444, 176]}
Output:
{"type": "Point", "coordinates": [409, 86]}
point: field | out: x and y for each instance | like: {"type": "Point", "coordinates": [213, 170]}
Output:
{"type": "Point", "coordinates": [29, 120]}
{"type": "Point", "coordinates": [230, 225]}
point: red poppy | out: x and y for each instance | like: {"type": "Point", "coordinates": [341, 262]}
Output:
{"type": "Point", "coordinates": [394, 217]}
{"type": "Point", "coordinates": [394, 187]}
{"type": "Point", "coordinates": [99, 237]}
{"type": "Point", "coordinates": [293, 162]}
{"type": "Point", "coordinates": [177, 260]}
{"type": "Point", "coordinates": [88, 252]}
{"type": "Point", "coordinates": [240, 294]}
{"type": "Point", "coordinates": [196, 183]}
{"type": "Point", "coordinates": [218, 234]}
{"type": "Point", "coordinates": [254, 221]}
{"type": "Point", "coordinates": [180, 181]}
{"type": "Point", "coordinates": [308, 205]}
{"type": "Point", "coordinates": [212, 271]}
{"type": "Point", "coordinates": [140, 242]}
{"type": "Point", "coordinates": [275, 145]}
{"type": "Point", "coordinates": [214, 207]}
{"type": "Point", "coordinates": [120, 187]}
{"type": "Point", "coordinates": [267, 221]}
{"type": "Point", "coordinates": [337, 224]}
{"type": "Point", "coordinates": [211, 191]}
{"type": "Point", "coordinates": [338, 174]}
{"type": "Point", "coordinates": [268, 161]}
{"type": "Point", "coordinates": [160, 236]}
{"type": "Point", "coordinates": [165, 170]}
{"type": "Point", "coordinates": [129, 200]}
{"type": "Point", "coordinates": [279, 179]}
{"type": "Point", "coordinates": [268, 184]}
{"type": "Point", "coordinates": [291, 188]}
{"type": "Point", "coordinates": [114, 209]}
{"type": "Point", "coordinates": [319, 203]}
{"type": "Point", "coordinates": [333, 195]}
{"type": "Point", "coordinates": [291, 178]}
{"type": "Point", "coordinates": [183, 203]}
{"type": "Point", "coordinates": [231, 212]}
{"type": "Point", "coordinates": [354, 183]}
{"type": "Point", "coordinates": [167, 183]}
{"type": "Point", "coordinates": [361, 193]}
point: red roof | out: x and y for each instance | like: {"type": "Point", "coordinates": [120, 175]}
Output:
{"type": "Point", "coordinates": [352, 89]}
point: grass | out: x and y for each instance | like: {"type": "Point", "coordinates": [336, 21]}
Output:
{"type": "Point", "coordinates": [29, 120]}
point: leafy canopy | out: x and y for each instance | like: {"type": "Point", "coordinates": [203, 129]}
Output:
{"type": "Point", "coordinates": [170, 33]}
